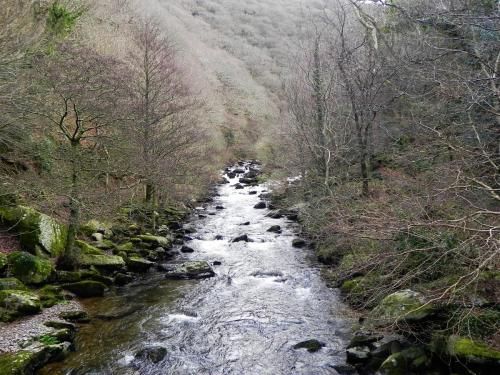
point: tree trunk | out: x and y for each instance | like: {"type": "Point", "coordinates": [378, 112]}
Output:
{"type": "Point", "coordinates": [74, 207]}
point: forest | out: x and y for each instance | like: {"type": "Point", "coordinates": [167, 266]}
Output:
{"type": "Point", "coordinates": [269, 187]}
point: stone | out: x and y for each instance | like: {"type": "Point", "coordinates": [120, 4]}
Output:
{"type": "Point", "coordinates": [59, 324]}
{"type": "Point", "coordinates": [187, 249]}
{"type": "Point", "coordinates": [29, 268]}
{"type": "Point", "coordinates": [86, 289]}
{"type": "Point", "coordinates": [86, 248]}
{"type": "Point", "coordinates": [405, 305]}
{"type": "Point", "coordinates": [94, 226]}
{"type": "Point", "coordinates": [275, 215]}
{"type": "Point", "coordinates": [51, 295]}
{"type": "Point", "coordinates": [239, 186]}
{"type": "Point", "coordinates": [298, 243]}
{"type": "Point", "coordinates": [345, 369]}
{"type": "Point", "coordinates": [245, 223]}
{"type": "Point", "coordinates": [19, 302]}
{"type": "Point", "coordinates": [362, 338]}
{"type": "Point", "coordinates": [472, 352]}
{"type": "Point", "coordinates": [242, 238]}
{"type": "Point", "coordinates": [11, 283]}
{"type": "Point", "coordinates": [136, 264]}
{"type": "Point", "coordinates": [3, 262]}
{"type": "Point", "coordinates": [260, 205]}
{"type": "Point", "coordinates": [219, 237]}
{"type": "Point", "coordinates": [311, 345]}
{"type": "Point", "coordinates": [106, 262]}
{"type": "Point", "coordinates": [358, 354]}
{"type": "Point", "coordinates": [37, 231]}
{"type": "Point", "coordinates": [219, 208]}
{"type": "Point", "coordinates": [405, 361]}
{"type": "Point", "coordinates": [156, 240]}
{"type": "Point", "coordinates": [76, 316]}
{"type": "Point", "coordinates": [154, 353]}
{"type": "Point", "coordinates": [275, 229]}
{"type": "Point", "coordinates": [253, 192]}
{"type": "Point", "coordinates": [248, 181]}
{"type": "Point", "coordinates": [189, 270]}
{"type": "Point", "coordinates": [123, 279]}
{"type": "Point", "coordinates": [217, 263]}
{"type": "Point", "coordinates": [98, 237]}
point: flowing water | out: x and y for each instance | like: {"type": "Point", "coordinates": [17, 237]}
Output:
{"type": "Point", "coordinates": [266, 297]}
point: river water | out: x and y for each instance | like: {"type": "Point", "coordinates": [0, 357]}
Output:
{"type": "Point", "coordinates": [266, 297]}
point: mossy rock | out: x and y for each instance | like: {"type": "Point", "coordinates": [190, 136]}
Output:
{"type": "Point", "coordinates": [471, 351]}
{"type": "Point", "coordinates": [36, 230]}
{"type": "Point", "coordinates": [312, 345]}
{"type": "Point", "coordinates": [30, 269]}
{"type": "Point", "coordinates": [94, 226]}
{"type": "Point", "coordinates": [156, 240]}
{"type": "Point", "coordinates": [11, 283]}
{"type": "Point", "coordinates": [136, 264]}
{"type": "Point", "coordinates": [51, 295]}
{"type": "Point", "coordinates": [77, 316]}
{"type": "Point", "coordinates": [86, 248]}
{"type": "Point", "coordinates": [352, 286]}
{"type": "Point", "coordinates": [105, 245]}
{"type": "Point", "coordinates": [86, 289]}
{"type": "Point", "coordinates": [410, 360]}
{"type": "Point", "coordinates": [19, 302]}
{"type": "Point", "coordinates": [190, 270]}
{"type": "Point", "coordinates": [405, 305]}
{"type": "Point", "coordinates": [125, 247]}
{"type": "Point", "coordinates": [104, 261]}
{"type": "Point", "coordinates": [3, 262]}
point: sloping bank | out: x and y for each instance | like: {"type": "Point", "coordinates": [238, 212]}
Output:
{"type": "Point", "coordinates": [39, 309]}
{"type": "Point", "coordinates": [402, 331]}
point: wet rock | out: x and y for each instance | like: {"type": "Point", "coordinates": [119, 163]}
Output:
{"type": "Point", "coordinates": [275, 229]}
{"type": "Point", "coordinates": [189, 270]}
{"type": "Point", "coordinates": [103, 261]}
{"type": "Point", "coordinates": [239, 186]}
{"type": "Point", "coordinates": [242, 238]}
{"type": "Point", "coordinates": [219, 237]}
{"type": "Point", "coordinates": [405, 305]}
{"type": "Point", "coordinates": [239, 171]}
{"type": "Point", "coordinates": [406, 361]}
{"type": "Point", "coordinates": [260, 205]}
{"type": "Point", "coordinates": [248, 181]}
{"type": "Point", "coordinates": [358, 354]}
{"type": "Point", "coordinates": [123, 279]}
{"type": "Point", "coordinates": [76, 316]}
{"type": "Point", "coordinates": [223, 181]}
{"type": "Point", "coordinates": [86, 289]}
{"type": "Point", "coordinates": [118, 312]}
{"type": "Point", "coordinates": [253, 192]}
{"type": "Point", "coordinates": [219, 207]}
{"type": "Point", "coordinates": [186, 249]}
{"type": "Point", "coordinates": [30, 269]}
{"type": "Point", "coordinates": [275, 215]}
{"type": "Point", "coordinates": [267, 274]}
{"type": "Point", "coordinates": [311, 345]}
{"type": "Point", "coordinates": [141, 265]}
{"type": "Point", "coordinates": [245, 223]}
{"type": "Point", "coordinates": [154, 354]}
{"type": "Point", "coordinates": [345, 369]}
{"type": "Point", "coordinates": [231, 174]}
{"type": "Point", "coordinates": [59, 324]}
{"type": "Point", "coordinates": [217, 263]}
{"type": "Point", "coordinates": [187, 238]}
{"type": "Point", "coordinates": [200, 216]}
{"type": "Point", "coordinates": [298, 243]}
{"type": "Point", "coordinates": [364, 338]}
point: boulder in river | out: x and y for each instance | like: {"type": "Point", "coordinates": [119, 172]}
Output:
{"type": "Point", "coordinates": [153, 353]}
{"type": "Point", "coordinates": [76, 316]}
{"type": "Point", "coordinates": [86, 289]}
{"type": "Point", "coordinates": [239, 186]}
{"type": "Point", "coordinates": [298, 243]}
{"type": "Point", "coordinates": [123, 279]}
{"type": "Point", "coordinates": [260, 205]}
{"type": "Point", "coordinates": [219, 207]}
{"type": "Point", "coordinates": [275, 229]}
{"type": "Point", "coordinates": [187, 249]}
{"type": "Point", "coordinates": [189, 270]}
{"type": "Point", "coordinates": [253, 192]}
{"type": "Point", "coordinates": [312, 345]}
{"type": "Point", "coordinates": [137, 264]}
{"type": "Point", "coordinates": [242, 238]}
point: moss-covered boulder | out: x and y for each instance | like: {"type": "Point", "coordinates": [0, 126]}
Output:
{"type": "Point", "coordinates": [29, 268]}
{"type": "Point", "coordinates": [411, 360]}
{"type": "Point", "coordinates": [124, 247]}
{"type": "Point", "coordinates": [37, 232]}
{"type": "Point", "coordinates": [3, 263]}
{"type": "Point", "coordinates": [156, 240]}
{"type": "Point", "coordinates": [90, 256]}
{"type": "Point", "coordinates": [11, 283]}
{"type": "Point", "coordinates": [51, 295]}
{"type": "Point", "coordinates": [136, 264]}
{"type": "Point", "coordinates": [94, 226]}
{"type": "Point", "coordinates": [14, 303]}
{"type": "Point", "coordinates": [86, 289]}
{"type": "Point", "coordinates": [404, 305]}
{"type": "Point", "coordinates": [472, 352]}
{"type": "Point", "coordinates": [86, 248]}
{"type": "Point", "coordinates": [190, 270]}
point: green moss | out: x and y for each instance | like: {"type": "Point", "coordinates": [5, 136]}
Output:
{"type": "Point", "coordinates": [466, 348]}
{"type": "Point", "coordinates": [19, 302]}
{"type": "Point", "coordinates": [30, 269]}
{"type": "Point", "coordinates": [3, 262]}
{"type": "Point", "coordinates": [101, 261]}
{"type": "Point", "coordinates": [51, 295]}
{"type": "Point", "coordinates": [407, 360]}
{"type": "Point", "coordinates": [156, 240]}
{"type": "Point", "coordinates": [352, 286]}
{"type": "Point", "coordinates": [86, 248]}
{"type": "Point", "coordinates": [48, 340]}
{"type": "Point", "coordinates": [11, 283]}
{"type": "Point", "coordinates": [93, 226]}
{"type": "Point", "coordinates": [18, 363]}
{"type": "Point", "coordinates": [128, 246]}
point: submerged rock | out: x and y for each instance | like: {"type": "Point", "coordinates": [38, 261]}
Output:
{"type": "Point", "coordinates": [242, 238]}
{"type": "Point", "coordinates": [153, 353]}
{"type": "Point", "coordinates": [275, 229]}
{"type": "Point", "coordinates": [260, 205]}
{"type": "Point", "coordinates": [123, 279]}
{"type": "Point", "coordinates": [358, 354]}
{"type": "Point", "coordinates": [298, 243]}
{"type": "Point", "coordinates": [76, 316]}
{"type": "Point", "coordinates": [311, 345]}
{"type": "Point", "coordinates": [189, 270]}
{"type": "Point", "coordinates": [187, 249]}
{"type": "Point", "coordinates": [239, 186]}
{"type": "Point", "coordinates": [30, 269]}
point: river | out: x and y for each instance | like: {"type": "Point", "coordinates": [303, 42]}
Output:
{"type": "Point", "coordinates": [266, 297]}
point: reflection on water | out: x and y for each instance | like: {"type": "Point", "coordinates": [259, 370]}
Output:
{"type": "Point", "coordinates": [266, 297]}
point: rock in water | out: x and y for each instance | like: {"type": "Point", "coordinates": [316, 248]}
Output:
{"type": "Point", "coordinates": [260, 205]}
{"type": "Point", "coordinates": [189, 270]}
{"type": "Point", "coordinates": [275, 229]}
{"type": "Point", "coordinates": [137, 264]}
{"type": "Point", "coordinates": [311, 345]}
{"type": "Point", "coordinates": [242, 238]}
{"type": "Point", "coordinates": [153, 353]}
{"type": "Point", "coordinates": [86, 289]}
{"type": "Point", "coordinates": [187, 249]}
{"type": "Point", "coordinates": [298, 243]}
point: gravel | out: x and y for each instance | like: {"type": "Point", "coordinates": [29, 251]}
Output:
{"type": "Point", "coordinates": [14, 333]}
